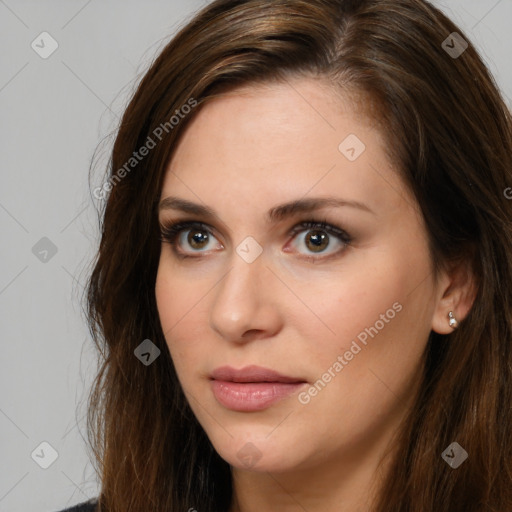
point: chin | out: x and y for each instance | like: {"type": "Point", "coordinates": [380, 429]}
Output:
{"type": "Point", "coordinates": [257, 451]}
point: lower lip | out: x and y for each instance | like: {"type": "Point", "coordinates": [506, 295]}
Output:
{"type": "Point", "coordinates": [252, 396]}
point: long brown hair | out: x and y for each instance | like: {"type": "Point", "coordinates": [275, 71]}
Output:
{"type": "Point", "coordinates": [449, 133]}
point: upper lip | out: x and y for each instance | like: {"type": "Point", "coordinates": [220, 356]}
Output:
{"type": "Point", "coordinates": [251, 373]}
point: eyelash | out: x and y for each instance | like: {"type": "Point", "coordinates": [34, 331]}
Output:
{"type": "Point", "coordinates": [169, 233]}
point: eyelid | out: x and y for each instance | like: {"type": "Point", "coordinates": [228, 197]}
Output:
{"type": "Point", "coordinates": [170, 230]}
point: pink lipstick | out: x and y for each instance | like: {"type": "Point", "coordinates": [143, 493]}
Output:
{"type": "Point", "coordinates": [251, 388]}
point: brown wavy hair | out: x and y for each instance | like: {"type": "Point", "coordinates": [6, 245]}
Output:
{"type": "Point", "coordinates": [449, 133]}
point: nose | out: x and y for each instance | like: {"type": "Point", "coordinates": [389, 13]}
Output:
{"type": "Point", "coordinates": [245, 304]}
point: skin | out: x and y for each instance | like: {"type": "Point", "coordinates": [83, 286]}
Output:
{"type": "Point", "coordinates": [244, 153]}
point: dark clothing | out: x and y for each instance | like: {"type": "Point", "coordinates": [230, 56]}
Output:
{"type": "Point", "coordinates": [86, 506]}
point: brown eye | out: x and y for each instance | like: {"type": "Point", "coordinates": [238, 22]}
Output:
{"type": "Point", "coordinates": [197, 238]}
{"type": "Point", "coordinates": [316, 240]}
{"type": "Point", "coordinates": [319, 236]}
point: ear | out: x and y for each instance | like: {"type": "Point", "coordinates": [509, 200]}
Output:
{"type": "Point", "coordinates": [456, 292]}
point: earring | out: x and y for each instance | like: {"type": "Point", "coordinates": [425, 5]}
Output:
{"type": "Point", "coordinates": [453, 321]}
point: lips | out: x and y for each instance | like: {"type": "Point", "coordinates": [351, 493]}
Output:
{"type": "Point", "coordinates": [252, 388]}
{"type": "Point", "coordinates": [252, 373]}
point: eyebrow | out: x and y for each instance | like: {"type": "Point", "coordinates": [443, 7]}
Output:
{"type": "Point", "coordinates": [275, 214]}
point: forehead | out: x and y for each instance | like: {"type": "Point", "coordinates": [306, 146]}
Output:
{"type": "Point", "coordinates": [269, 143]}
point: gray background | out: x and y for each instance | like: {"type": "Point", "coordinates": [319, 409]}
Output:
{"type": "Point", "coordinates": [54, 113]}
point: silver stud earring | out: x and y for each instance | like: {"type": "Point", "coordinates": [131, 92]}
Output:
{"type": "Point", "coordinates": [452, 320]}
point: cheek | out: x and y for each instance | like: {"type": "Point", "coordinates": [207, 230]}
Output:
{"type": "Point", "coordinates": [364, 372]}
{"type": "Point", "coordinates": [183, 317]}
{"type": "Point", "coordinates": [353, 299]}
{"type": "Point", "coordinates": [165, 294]}
{"type": "Point", "coordinates": [183, 314]}
{"type": "Point", "coordinates": [176, 294]}
{"type": "Point", "coordinates": [375, 317]}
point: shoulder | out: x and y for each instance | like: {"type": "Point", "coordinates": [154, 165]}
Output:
{"type": "Point", "coordinates": [86, 506]}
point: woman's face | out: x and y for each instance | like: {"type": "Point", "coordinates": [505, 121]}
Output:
{"type": "Point", "coordinates": [347, 319]}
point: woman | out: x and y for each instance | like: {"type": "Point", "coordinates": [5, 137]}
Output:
{"type": "Point", "coordinates": [303, 291]}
